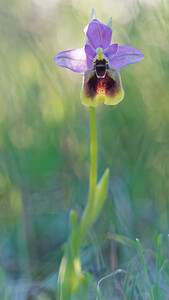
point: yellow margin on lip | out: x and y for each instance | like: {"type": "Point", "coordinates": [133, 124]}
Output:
{"type": "Point", "coordinates": [107, 101]}
{"type": "Point", "coordinates": [88, 101]}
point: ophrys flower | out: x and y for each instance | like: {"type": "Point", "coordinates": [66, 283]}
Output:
{"type": "Point", "coordinates": [100, 63]}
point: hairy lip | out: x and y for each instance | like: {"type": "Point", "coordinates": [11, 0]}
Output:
{"type": "Point", "coordinates": [101, 86]}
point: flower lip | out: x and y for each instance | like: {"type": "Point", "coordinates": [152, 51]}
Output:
{"type": "Point", "coordinates": [108, 89]}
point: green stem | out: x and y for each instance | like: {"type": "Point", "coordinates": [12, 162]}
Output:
{"type": "Point", "coordinates": [93, 154]}
{"type": "Point", "coordinates": [69, 270]}
{"type": "Point", "coordinates": [86, 221]}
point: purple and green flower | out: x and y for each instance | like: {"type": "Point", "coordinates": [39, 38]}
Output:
{"type": "Point", "coordinates": [100, 62]}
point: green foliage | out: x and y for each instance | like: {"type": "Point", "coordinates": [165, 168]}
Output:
{"type": "Point", "coordinates": [100, 194]}
{"type": "Point", "coordinates": [72, 283]}
{"type": "Point", "coordinates": [145, 269]}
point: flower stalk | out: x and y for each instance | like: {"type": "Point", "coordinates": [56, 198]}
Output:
{"type": "Point", "coordinates": [87, 216]}
{"type": "Point", "coordinates": [93, 153]}
{"type": "Point", "coordinates": [72, 283]}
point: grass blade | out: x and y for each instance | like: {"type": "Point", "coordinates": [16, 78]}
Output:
{"type": "Point", "coordinates": [145, 269]}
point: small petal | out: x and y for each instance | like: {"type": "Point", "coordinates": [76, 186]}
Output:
{"type": "Point", "coordinates": [111, 50]}
{"type": "Point", "coordinates": [108, 89]}
{"type": "Point", "coordinates": [89, 63]}
{"type": "Point", "coordinates": [74, 60]}
{"type": "Point", "coordinates": [99, 35]}
{"type": "Point", "coordinates": [90, 52]}
{"type": "Point", "coordinates": [124, 56]}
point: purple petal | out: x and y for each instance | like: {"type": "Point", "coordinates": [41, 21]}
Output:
{"type": "Point", "coordinates": [124, 56]}
{"type": "Point", "coordinates": [99, 35]}
{"type": "Point", "coordinates": [74, 60]}
{"type": "Point", "coordinates": [89, 62]}
{"type": "Point", "coordinates": [110, 51]}
{"type": "Point", "coordinates": [90, 52]}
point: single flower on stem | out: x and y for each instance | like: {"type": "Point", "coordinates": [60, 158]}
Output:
{"type": "Point", "coordinates": [100, 63]}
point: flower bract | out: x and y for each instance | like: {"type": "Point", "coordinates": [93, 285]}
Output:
{"type": "Point", "coordinates": [100, 62]}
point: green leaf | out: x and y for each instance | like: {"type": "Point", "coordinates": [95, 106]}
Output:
{"type": "Point", "coordinates": [145, 269]}
{"type": "Point", "coordinates": [81, 290]}
{"type": "Point", "coordinates": [123, 240]}
{"type": "Point", "coordinates": [100, 194]}
{"type": "Point", "coordinates": [93, 209]}
{"type": "Point", "coordinates": [73, 223]}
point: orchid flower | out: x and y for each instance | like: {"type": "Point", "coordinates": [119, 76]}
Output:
{"type": "Point", "coordinates": [100, 63]}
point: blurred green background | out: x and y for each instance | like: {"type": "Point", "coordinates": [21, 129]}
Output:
{"type": "Point", "coordinates": [45, 135]}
